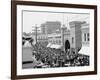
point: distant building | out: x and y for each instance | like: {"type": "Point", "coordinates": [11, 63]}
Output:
{"type": "Point", "coordinates": [50, 27]}
{"type": "Point", "coordinates": [43, 29]}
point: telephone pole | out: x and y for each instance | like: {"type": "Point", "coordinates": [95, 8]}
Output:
{"type": "Point", "coordinates": [36, 30]}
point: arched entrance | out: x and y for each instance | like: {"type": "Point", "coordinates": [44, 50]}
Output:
{"type": "Point", "coordinates": [67, 45]}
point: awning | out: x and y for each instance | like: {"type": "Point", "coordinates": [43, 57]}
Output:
{"type": "Point", "coordinates": [85, 50]}
{"type": "Point", "coordinates": [55, 46]}
{"type": "Point", "coordinates": [49, 45]}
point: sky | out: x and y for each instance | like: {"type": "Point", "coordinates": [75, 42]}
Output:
{"type": "Point", "coordinates": [32, 18]}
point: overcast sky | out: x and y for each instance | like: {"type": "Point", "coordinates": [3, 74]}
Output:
{"type": "Point", "coordinates": [32, 18]}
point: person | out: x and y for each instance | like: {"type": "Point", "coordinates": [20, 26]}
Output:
{"type": "Point", "coordinates": [39, 64]}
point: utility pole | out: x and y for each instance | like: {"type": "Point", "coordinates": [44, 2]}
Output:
{"type": "Point", "coordinates": [36, 30]}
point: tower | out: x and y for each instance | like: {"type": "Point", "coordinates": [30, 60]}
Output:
{"type": "Point", "coordinates": [63, 28]}
{"type": "Point", "coordinates": [75, 35]}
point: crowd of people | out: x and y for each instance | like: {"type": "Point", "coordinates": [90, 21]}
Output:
{"type": "Point", "coordinates": [51, 57]}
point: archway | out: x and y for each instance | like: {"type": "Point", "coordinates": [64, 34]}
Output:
{"type": "Point", "coordinates": [67, 45]}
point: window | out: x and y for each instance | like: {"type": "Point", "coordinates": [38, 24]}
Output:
{"type": "Point", "coordinates": [51, 41]}
{"type": "Point", "coordinates": [59, 41]}
{"type": "Point", "coordinates": [72, 40]}
{"type": "Point", "coordinates": [88, 37]}
{"type": "Point", "coordinates": [85, 37]}
{"type": "Point", "coordinates": [56, 42]}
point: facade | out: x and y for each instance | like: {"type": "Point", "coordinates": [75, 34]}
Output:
{"type": "Point", "coordinates": [68, 39]}
{"type": "Point", "coordinates": [85, 49]}
{"type": "Point", "coordinates": [50, 27]}
{"type": "Point", "coordinates": [73, 39]}
{"type": "Point", "coordinates": [54, 38]}
{"type": "Point", "coordinates": [85, 35]}
{"type": "Point", "coordinates": [41, 38]}
{"type": "Point", "coordinates": [75, 35]}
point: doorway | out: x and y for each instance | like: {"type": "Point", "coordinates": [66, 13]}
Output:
{"type": "Point", "coordinates": [67, 45]}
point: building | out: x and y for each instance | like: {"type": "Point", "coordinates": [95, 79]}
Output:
{"type": "Point", "coordinates": [50, 27]}
{"type": "Point", "coordinates": [68, 39]}
{"type": "Point", "coordinates": [75, 35]}
{"type": "Point", "coordinates": [40, 38]}
{"type": "Point", "coordinates": [54, 38]}
{"type": "Point", "coordinates": [43, 29]}
{"type": "Point", "coordinates": [72, 39]}
{"type": "Point", "coordinates": [85, 49]}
